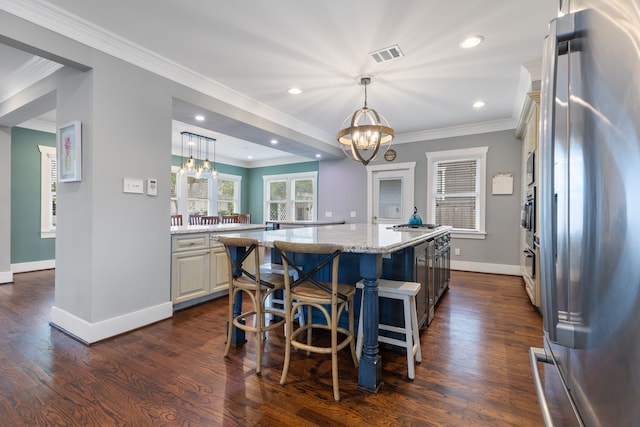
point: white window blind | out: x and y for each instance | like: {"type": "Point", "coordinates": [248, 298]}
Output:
{"type": "Point", "coordinates": [456, 190]}
{"type": "Point", "coordinates": [457, 194]}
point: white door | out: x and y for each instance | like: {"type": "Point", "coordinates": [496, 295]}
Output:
{"type": "Point", "coordinates": [390, 193]}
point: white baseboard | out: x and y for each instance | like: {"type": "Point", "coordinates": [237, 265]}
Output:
{"type": "Point", "coordinates": [6, 276]}
{"type": "Point", "coordinates": [90, 333]}
{"type": "Point", "coordinates": [480, 267]}
{"type": "Point", "coordinates": [24, 267]}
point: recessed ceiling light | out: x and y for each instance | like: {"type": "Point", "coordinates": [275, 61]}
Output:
{"type": "Point", "coordinates": [295, 91]}
{"type": "Point", "coordinates": [199, 117]}
{"type": "Point", "coordinates": [274, 141]}
{"type": "Point", "coordinates": [318, 155]}
{"type": "Point", "coordinates": [472, 41]}
{"type": "Point", "coordinates": [479, 104]}
{"type": "Point", "coordinates": [249, 157]}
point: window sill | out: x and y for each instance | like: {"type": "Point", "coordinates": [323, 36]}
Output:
{"type": "Point", "coordinates": [476, 235]}
{"type": "Point", "coordinates": [48, 234]}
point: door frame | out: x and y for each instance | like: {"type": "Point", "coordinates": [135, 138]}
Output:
{"type": "Point", "coordinates": [410, 167]}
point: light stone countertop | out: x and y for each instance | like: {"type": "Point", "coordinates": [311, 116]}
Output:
{"type": "Point", "coordinates": [356, 238]}
{"type": "Point", "coordinates": [216, 228]}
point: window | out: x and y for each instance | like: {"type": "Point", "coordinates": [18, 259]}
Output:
{"type": "Point", "coordinates": [204, 196]}
{"type": "Point", "coordinates": [48, 181]}
{"type": "Point", "coordinates": [456, 188]}
{"type": "Point", "coordinates": [198, 202]}
{"type": "Point", "coordinates": [291, 197]}
{"type": "Point", "coordinates": [228, 200]}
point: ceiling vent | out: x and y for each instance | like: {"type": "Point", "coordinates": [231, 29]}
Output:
{"type": "Point", "coordinates": [387, 54]}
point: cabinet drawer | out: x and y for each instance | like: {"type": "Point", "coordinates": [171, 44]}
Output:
{"type": "Point", "coordinates": [190, 242]}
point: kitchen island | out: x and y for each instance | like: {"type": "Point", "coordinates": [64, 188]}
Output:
{"type": "Point", "coordinates": [365, 246]}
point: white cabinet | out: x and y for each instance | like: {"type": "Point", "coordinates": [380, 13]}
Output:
{"type": "Point", "coordinates": [199, 268]}
{"type": "Point", "coordinates": [189, 267]}
{"type": "Point", "coordinates": [530, 255]}
{"type": "Point", "coordinates": [219, 272]}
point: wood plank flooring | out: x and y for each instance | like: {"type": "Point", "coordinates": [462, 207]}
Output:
{"type": "Point", "coordinates": [475, 369]}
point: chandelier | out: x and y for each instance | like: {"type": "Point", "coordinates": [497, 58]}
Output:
{"type": "Point", "coordinates": [196, 166]}
{"type": "Point", "coordinates": [364, 132]}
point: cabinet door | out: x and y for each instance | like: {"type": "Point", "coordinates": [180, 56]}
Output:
{"type": "Point", "coordinates": [190, 275]}
{"type": "Point", "coordinates": [219, 269]}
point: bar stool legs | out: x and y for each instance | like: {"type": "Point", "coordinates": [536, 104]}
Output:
{"type": "Point", "coordinates": [406, 292]}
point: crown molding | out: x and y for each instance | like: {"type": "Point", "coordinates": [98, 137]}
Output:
{"type": "Point", "coordinates": [56, 19]}
{"type": "Point", "coordinates": [29, 73]}
{"type": "Point", "coordinates": [454, 131]}
{"type": "Point", "coordinates": [40, 125]}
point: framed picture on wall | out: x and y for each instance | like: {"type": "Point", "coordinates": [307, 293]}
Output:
{"type": "Point", "coordinates": [70, 152]}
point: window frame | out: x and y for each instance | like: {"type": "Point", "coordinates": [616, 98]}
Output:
{"type": "Point", "coordinates": [237, 191]}
{"type": "Point", "coordinates": [479, 154]}
{"type": "Point", "coordinates": [47, 155]}
{"type": "Point", "coordinates": [290, 200]}
{"type": "Point", "coordinates": [183, 199]}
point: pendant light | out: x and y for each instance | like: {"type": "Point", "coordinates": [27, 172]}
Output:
{"type": "Point", "coordinates": [365, 131]}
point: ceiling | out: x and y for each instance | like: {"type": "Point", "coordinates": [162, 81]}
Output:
{"type": "Point", "coordinates": [254, 51]}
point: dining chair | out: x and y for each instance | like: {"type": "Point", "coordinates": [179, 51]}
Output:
{"type": "Point", "coordinates": [254, 283]}
{"type": "Point", "coordinates": [176, 220]}
{"type": "Point", "coordinates": [244, 218]}
{"type": "Point", "coordinates": [229, 219]}
{"type": "Point", "coordinates": [195, 219]}
{"type": "Point", "coordinates": [329, 298]}
{"type": "Point", "coordinates": [209, 220]}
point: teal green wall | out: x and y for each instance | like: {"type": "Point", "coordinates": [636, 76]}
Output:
{"type": "Point", "coordinates": [256, 193]}
{"type": "Point", "coordinates": [26, 244]}
{"type": "Point", "coordinates": [252, 190]}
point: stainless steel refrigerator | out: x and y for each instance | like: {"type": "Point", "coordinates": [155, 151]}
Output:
{"type": "Point", "coordinates": [589, 236]}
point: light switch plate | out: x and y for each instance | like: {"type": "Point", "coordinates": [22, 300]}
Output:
{"type": "Point", "coordinates": [133, 185]}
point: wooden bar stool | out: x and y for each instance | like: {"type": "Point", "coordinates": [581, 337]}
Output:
{"type": "Point", "coordinates": [328, 297]}
{"type": "Point", "coordinates": [258, 286]}
{"type": "Point", "coordinates": [405, 292]}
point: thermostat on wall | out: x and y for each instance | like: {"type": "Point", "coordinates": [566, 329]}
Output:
{"type": "Point", "coordinates": [152, 187]}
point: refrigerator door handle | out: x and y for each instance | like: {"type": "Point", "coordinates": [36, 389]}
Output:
{"type": "Point", "coordinates": [537, 354]}
{"type": "Point", "coordinates": [561, 29]}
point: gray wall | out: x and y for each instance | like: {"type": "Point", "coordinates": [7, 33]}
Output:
{"type": "Point", "coordinates": [342, 185]}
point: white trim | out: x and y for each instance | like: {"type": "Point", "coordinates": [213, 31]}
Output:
{"type": "Point", "coordinates": [98, 331]}
{"type": "Point", "coordinates": [29, 73]}
{"type": "Point", "coordinates": [477, 153]}
{"type": "Point", "coordinates": [481, 267]}
{"type": "Point", "coordinates": [454, 131]}
{"type": "Point", "coordinates": [371, 169]}
{"type": "Point", "coordinates": [24, 267]}
{"type": "Point", "coordinates": [46, 154]}
{"type": "Point", "coordinates": [237, 191]}
{"type": "Point", "coordinates": [6, 276]}
{"type": "Point", "coordinates": [290, 197]}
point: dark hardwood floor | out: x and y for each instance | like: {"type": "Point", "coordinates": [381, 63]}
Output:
{"type": "Point", "coordinates": [474, 371]}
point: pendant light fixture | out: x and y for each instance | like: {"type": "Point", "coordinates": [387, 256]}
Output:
{"type": "Point", "coordinates": [365, 131]}
{"type": "Point", "coordinates": [195, 166]}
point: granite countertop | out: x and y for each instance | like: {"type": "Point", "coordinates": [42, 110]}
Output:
{"type": "Point", "coordinates": [216, 228]}
{"type": "Point", "coordinates": [307, 223]}
{"type": "Point", "coordinates": [357, 238]}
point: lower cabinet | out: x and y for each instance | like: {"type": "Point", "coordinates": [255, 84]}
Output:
{"type": "Point", "coordinates": [199, 269]}
{"type": "Point", "coordinates": [189, 275]}
{"type": "Point", "coordinates": [219, 271]}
